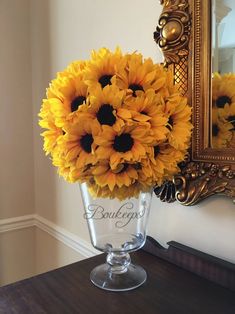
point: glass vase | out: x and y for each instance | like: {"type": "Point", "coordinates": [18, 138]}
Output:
{"type": "Point", "coordinates": [117, 228]}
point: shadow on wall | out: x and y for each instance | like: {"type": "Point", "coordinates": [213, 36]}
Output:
{"type": "Point", "coordinates": [55, 199]}
{"type": "Point", "coordinates": [25, 52]}
{"type": "Point", "coordinates": [16, 140]}
{"type": "Point", "coordinates": [45, 181]}
{"type": "Point", "coordinates": [47, 249]}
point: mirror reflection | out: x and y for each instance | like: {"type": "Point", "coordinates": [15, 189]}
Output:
{"type": "Point", "coordinates": [223, 74]}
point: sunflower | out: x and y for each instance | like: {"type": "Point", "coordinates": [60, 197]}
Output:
{"type": "Point", "coordinates": [119, 193]}
{"type": "Point", "coordinates": [147, 108]}
{"type": "Point", "coordinates": [106, 106]}
{"type": "Point", "coordinates": [52, 133]}
{"type": "Point", "coordinates": [78, 144]}
{"type": "Point", "coordinates": [59, 161]}
{"type": "Point", "coordinates": [179, 115]}
{"type": "Point", "coordinates": [164, 161]}
{"type": "Point", "coordinates": [74, 69]}
{"type": "Point", "coordinates": [126, 145]}
{"type": "Point", "coordinates": [102, 67]}
{"type": "Point", "coordinates": [220, 129]}
{"type": "Point", "coordinates": [223, 90]}
{"type": "Point", "coordinates": [50, 138]}
{"type": "Point", "coordinates": [145, 173]}
{"type": "Point", "coordinates": [67, 93]}
{"type": "Point", "coordinates": [124, 175]}
{"type": "Point", "coordinates": [140, 75]}
{"type": "Point", "coordinates": [228, 114]}
{"type": "Point", "coordinates": [68, 170]}
{"type": "Point", "coordinates": [132, 191]}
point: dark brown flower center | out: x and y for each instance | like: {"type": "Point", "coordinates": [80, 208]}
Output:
{"type": "Point", "coordinates": [105, 115]}
{"type": "Point", "coordinates": [231, 119]}
{"type": "Point", "coordinates": [105, 80]}
{"type": "Point", "coordinates": [86, 168]}
{"type": "Point", "coordinates": [86, 142]}
{"type": "Point", "coordinates": [124, 168]}
{"type": "Point", "coordinates": [137, 166]}
{"type": "Point", "coordinates": [156, 151]}
{"type": "Point", "coordinates": [170, 123]}
{"type": "Point", "coordinates": [134, 88]}
{"type": "Point", "coordinates": [222, 101]}
{"type": "Point", "coordinates": [215, 130]}
{"type": "Point", "coordinates": [123, 143]}
{"type": "Point", "coordinates": [144, 112]}
{"type": "Point", "coordinates": [77, 102]}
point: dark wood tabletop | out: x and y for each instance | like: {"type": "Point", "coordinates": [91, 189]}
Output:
{"type": "Point", "coordinates": [169, 289]}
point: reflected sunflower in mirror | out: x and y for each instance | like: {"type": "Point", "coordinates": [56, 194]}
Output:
{"type": "Point", "coordinates": [223, 89]}
{"type": "Point", "coordinates": [223, 111]}
{"type": "Point", "coordinates": [221, 129]}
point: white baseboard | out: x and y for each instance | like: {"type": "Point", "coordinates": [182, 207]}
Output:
{"type": "Point", "coordinates": [16, 223]}
{"type": "Point", "coordinates": [71, 240]}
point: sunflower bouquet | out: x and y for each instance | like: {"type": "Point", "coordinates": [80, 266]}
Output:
{"type": "Point", "coordinates": [116, 122]}
{"type": "Point", "coordinates": [223, 111]}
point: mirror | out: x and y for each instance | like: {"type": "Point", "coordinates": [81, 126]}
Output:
{"type": "Point", "coordinates": [197, 38]}
{"type": "Point", "coordinates": [223, 74]}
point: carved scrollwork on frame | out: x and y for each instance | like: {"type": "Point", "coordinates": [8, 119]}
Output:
{"type": "Point", "coordinates": [172, 32]}
{"type": "Point", "coordinates": [172, 36]}
{"type": "Point", "coordinates": [166, 192]}
{"type": "Point", "coordinates": [199, 180]}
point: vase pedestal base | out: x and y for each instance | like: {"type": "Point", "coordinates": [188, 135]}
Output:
{"type": "Point", "coordinates": [103, 277]}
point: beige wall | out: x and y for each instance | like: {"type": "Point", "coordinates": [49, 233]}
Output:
{"type": "Point", "coordinates": [17, 255]}
{"type": "Point", "coordinates": [16, 139]}
{"type": "Point", "coordinates": [16, 127]}
{"type": "Point", "coordinates": [30, 251]}
{"type": "Point", "coordinates": [51, 253]}
{"type": "Point", "coordinates": [208, 227]}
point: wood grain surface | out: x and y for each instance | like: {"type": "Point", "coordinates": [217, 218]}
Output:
{"type": "Point", "coordinates": [168, 290]}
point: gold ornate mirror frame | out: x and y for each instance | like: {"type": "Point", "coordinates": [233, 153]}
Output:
{"type": "Point", "coordinates": [184, 36]}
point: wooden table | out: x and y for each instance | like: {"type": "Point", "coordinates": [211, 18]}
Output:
{"type": "Point", "coordinates": [169, 290]}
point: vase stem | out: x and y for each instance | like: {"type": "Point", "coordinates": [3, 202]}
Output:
{"type": "Point", "coordinates": [118, 262]}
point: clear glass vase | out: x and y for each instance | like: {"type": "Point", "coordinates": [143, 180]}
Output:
{"type": "Point", "coordinates": [117, 228]}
